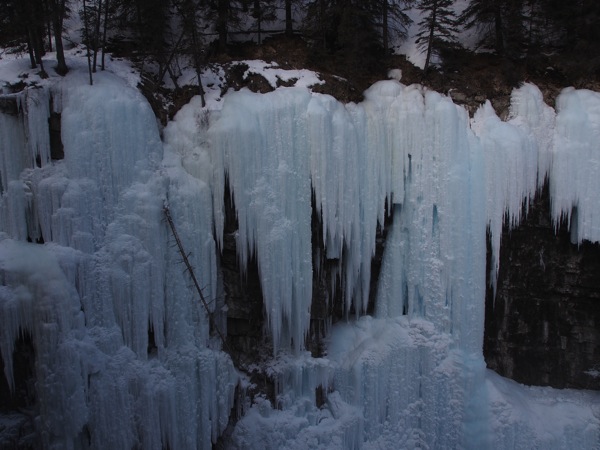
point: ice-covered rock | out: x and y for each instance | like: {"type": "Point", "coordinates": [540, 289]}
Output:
{"type": "Point", "coordinates": [124, 352]}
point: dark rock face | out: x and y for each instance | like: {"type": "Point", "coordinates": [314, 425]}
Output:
{"type": "Point", "coordinates": [243, 296]}
{"type": "Point", "coordinates": [543, 327]}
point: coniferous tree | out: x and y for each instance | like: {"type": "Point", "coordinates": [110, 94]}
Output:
{"type": "Point", "coordinates": [92, 15]}
{"type": "Point", "coordinates": [189, 14]}
{"type": "Point", "coordinates": [502, 24]}
{"type": "Point", "coordinates": [25, 21]}
{"type": "Point", "coordinates": [31, 22]}
{"type": "Point", "coordinates": [357, 40]}
{"type": "Point", "coordinates": [289, 20]}
{"type": "Point", "coordinates": [87, 39]}
{"type": "Point", "coordinates": [343, 26]}
{"type": "Point", "coordinates": [437, 28]}
{"type": "Point", "coordinates": [318, 23]}
{"type": "Point", "coordinates": [58, 12]}
{"type": "Point", "coordinates": [262, 11]}
{"type": "Point", "coordinates": [393, 19]}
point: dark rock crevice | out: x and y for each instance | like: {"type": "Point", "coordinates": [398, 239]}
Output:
{"type": "Point", "coordinates": [19, 406]}
{"type": "Point", "coordinates": [328, 299]}
{"type": "Point", "coordinates": [243, 294]}
{"type": "Point", "coordinates": [543, 326]}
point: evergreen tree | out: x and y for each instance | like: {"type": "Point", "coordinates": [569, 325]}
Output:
{"type": "Point", "coordinates": [437, 28]}
{"type": "Point", "coordinates": [30, 22]}
{"type": "Point", "coordinates": [502, 24]}
{"type": "Point", "coordinates": [289, 21]}
{"type": "Point", "coordinates": [346, 30]}
{"type": "Point", "coordinates": [189, 14]}
{"type": "Point", "coordinates": [262, 11]}
{"type": "Point", "coordinates": [58, 13]}
{"type": "Point", "coordinates": [394, 19]}
{"type": "Point", "coordinates": [92, 15]}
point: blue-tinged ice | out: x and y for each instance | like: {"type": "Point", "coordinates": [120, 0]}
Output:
{"type": "Point", "coordinates": [124, 357]}
{"type": "Point", "coordinates": [415, 372]}
{"type": "Point", "coordinates": [574, 181]}
{"type": "Point", "coordinates": [123, 344]}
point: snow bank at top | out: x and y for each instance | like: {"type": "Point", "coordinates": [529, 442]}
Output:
{"type": "Point", "coordinates": [275, 75]}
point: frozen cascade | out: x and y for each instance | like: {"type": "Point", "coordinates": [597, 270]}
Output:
{"type": "Point", "coordinates": [123, 347]}
{"type": "Point", "coordinates": [124, 357]}
{"type": "Point", "coordinates": [518, 155]}
{"type": "Point", "coordinates": [574, 181]}
{"type": "Point", "coordinates": [415, 373]}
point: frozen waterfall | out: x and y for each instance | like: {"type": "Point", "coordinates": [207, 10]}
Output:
{"type": "Point", "coordinates": [124, 353]}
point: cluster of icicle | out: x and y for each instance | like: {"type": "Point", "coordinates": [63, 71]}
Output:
{"type": "Point", "coordinates": [414, 148]}
{"type": "Point", "coordinates": [123, 344]}
{"type": "Point", "coordinates": [123, 354]}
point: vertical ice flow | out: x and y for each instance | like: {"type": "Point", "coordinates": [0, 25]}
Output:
{"type": "Point", "coordinates": [123, 355]}
{"type": "Point", "coordinates": [124, 346]}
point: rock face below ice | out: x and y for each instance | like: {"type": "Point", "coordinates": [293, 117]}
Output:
{"type": "Point", "coordinates": [543, 326]}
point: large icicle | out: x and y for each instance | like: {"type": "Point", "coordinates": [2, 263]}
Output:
{"type": "Point", "coordinates": [261, 144]}
{"type": "Point", "coordinates": [574, 181]}
{"type": "Point", "coordinates": [415, 373]}
{"type": "Point", "coordinates": [516, 160]}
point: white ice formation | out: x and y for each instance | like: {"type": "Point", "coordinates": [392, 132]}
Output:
{"type": "Point", "coordinates": [124, 354]}
{"type": "Point", "coordinates": [108, 274]}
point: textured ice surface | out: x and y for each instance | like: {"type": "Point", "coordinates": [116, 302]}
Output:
{"type": "Point", "coordinates": [415, 373]}
{"type": "Point", "coordinates": [124, 353]}
{"type": "Point", "coordinates": [575, 183]}
{"type": "Point", "coordinates": [107, 278]}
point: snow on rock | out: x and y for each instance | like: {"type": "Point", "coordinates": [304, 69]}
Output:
{"type": "Point", "coordinates": [275, 75]}
{"type": "Point", "coordinates": [528, 416]}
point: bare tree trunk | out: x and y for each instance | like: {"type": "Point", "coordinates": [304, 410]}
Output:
{"type": "Point", "coordinates": [58, 14]}
{"type": "Point", "coordinates": [385, 31]}
{"type": "Point", "coordinates": [499, 30]}
{"type": "Point", "coordinates": [431, 36]}
{"type": "Point", "coordinates": [258, 13]}
{"type": "Point", "coordinates": [49, 30]}
{"type": "Point", "coordinates": [288, 18]}
{"type": "Point", "coordinates": [97, 35]}
{"type": "Point", "coordinates": [104, 32]}
{"type": "Point", "coordinates": [36, 40]}
{"type": "Point", "coordinates": [198, 64]}
{"type": "Point", "coordinates": [222, 23]}
{"type": "Point", "coordinates": [322, 22]}
{"type": "Point", "coordinates": [30, 50]}
{"type": "Point", "coordinates": [89, 60]}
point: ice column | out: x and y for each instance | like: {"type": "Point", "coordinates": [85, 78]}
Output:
{"type": "Point", "coordinates": [574, 182]}
{"type": "Point", "coordinates": [260, 143]}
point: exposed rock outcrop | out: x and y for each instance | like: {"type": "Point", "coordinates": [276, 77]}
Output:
{"type": "Point", "coordinates": [543, 326]}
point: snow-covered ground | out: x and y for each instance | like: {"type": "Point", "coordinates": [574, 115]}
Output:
{"type": "Point", "coordinates": [124, 353]}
